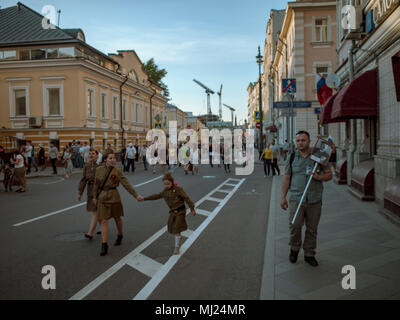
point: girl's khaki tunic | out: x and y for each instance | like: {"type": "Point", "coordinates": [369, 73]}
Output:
{"type": "Point", "coordinates": [175, 199]}
{"type": "Point", "coordinates": [89, 173]}
{"type": "Point", "coordinates": [109, 203]}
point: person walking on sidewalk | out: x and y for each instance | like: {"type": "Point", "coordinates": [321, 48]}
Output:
{"type": "Point", "coordinates": [67, 162]}
{"type": "Point", "coordinates": [19, 177]}
{"type": "Point", "coordinates": [107, 199]}
{"type": "Point", "coordinates": [276, 158]}
{"type": "Point", "coordinates": [53, 155]}
{"type": "Point", "coordinates": [130, 156]}
{"type": "Point", "coordinates": [89, 174]}
{"type": "Point", "coordinates": [267, 156]}
{"type": "Point", "coordinates": [143, 151]}
{"type": "Point", "coordinates": [41, 158]}
{"type": "Point", "coordinates": [297, 169]}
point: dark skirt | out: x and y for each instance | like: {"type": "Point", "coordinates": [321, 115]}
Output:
{"type": "Point", "coordinates": [177, 221]}
{"type": "Point", "coordinates": [89, 204]}
{"type": "Point", "coordinates": [18, 178]}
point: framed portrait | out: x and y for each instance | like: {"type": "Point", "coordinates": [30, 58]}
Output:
{"type": "Point", "coordinates": [322, 152]}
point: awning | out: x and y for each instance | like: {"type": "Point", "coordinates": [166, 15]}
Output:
{"type": "Point", "coordinates": [325, 116]}
{"type": "Point", "coordinates": [358, 99]}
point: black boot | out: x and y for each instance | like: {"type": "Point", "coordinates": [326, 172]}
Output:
{"type": "Point", "coordinates": [104, 249]}
{"type": "Point", "coordinates": [293, 256]}
{"type": "Point", "coordinates": [311, 261]}
{"type": "Point", "coordinates": [119, 240]}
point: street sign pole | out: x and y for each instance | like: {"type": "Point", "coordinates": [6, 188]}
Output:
{"type": "Point", "coordinates": [291, 125]}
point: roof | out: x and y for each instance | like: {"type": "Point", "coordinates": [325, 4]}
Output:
{"type": "Point", "coordinates": [21, 24]}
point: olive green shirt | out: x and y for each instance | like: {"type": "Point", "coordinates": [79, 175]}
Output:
{"type": "Point", "coordinates": [299, 178]}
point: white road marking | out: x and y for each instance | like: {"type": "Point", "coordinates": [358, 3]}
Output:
{"type": "Point", "coordinates": [187, 233]}
{"type": "Point", "coordinates": [145, 265]}
{"type": "Point", "coordinates": [203, 212]}
{"type": "Point", "coordinates": [230, 184]}
{"type": "Point", "coordinates": [214, 199]}
{"type": "Point", "coordinates": [74, 206]}
{"type": "Point", "coordinates": [224, 191]}
{"type": "Point", "coordinates": [156, 279]}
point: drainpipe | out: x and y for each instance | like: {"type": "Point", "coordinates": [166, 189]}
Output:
{"type": "Point", "coordinates": [151, 109]}
{"type": "Point", "coordinates": [120, 110]}
{"type": "Point", "coordinates": [353, 122]}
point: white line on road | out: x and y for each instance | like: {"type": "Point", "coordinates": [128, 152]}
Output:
{"type": "Point", "coordinates": [74, 206]}
{"type": "Point", "coordinates": [152, 284]}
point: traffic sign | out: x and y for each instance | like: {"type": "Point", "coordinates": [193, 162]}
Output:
{"type": "Point", "coordinates": [258, 125]}
{"type": "Point", "coordinates": [157, 125]}
{"type": "Point", "coordinates": [317, 111]}
{"type": "Point", "coordinates": [289, 85]}
{"type": "Point", "coordinates": [296, 104]}
{"type": "Point", "coordinates": [257, 115]}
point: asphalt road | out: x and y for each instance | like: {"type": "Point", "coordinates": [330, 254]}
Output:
{"type": "Point", "coordinates": [223, 257]}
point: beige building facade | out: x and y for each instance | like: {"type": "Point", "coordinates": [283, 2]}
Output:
{"type": "Point", "coordinates": [63, 89]}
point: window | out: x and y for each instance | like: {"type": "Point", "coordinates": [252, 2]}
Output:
{"type": "Point", "coordinates": [24, 54]}
{"type": "Point", "coordinates": [8, 55]}
{"type": "Point", "coordinates": [38, 54]}
{"type": "Point", "coordinates": [20, 102]}
{"type": "Point", "coordinates": [90, 102]}
{"type": "Point", "coordinates": [321, 30]}
{"type": "Point", "coordinates": [323, 71]}
{"type": "Point", "coordinates": [66, 52]}
{"type": "Point", "coordinates": [53, 98]}
{"type": "Point", "coordinates": [147, 116]}
{"type": "Point", "coordinates": [52, 53]}
{"type": "Point", "coordinates": [115, 108]}
{"type": "Point", "coordinates": [104, 105]}
{"type": "Point", "coordinates": [134, 112]}
{"type": "Point", "coordinates": [139, 113]}
{"type": "Point", "coordinates": [124, 111]}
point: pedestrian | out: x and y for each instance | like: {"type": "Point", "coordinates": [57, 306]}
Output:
{"type": "Point", "coordinates": [137, 151]}
{"type": "Point", "coordinates": [332, 159]}
{"type": "Point", "coordinates": [88, 178]}
{"type": "Point", "coordinates": [175, 197]}
{"type": "Point", "coordinates": [107, 199]}
{"type": "Point", "coordinates": [78, 155]}
{"type": "Point", "coordinates": [108, 149]}
{"type": "Point", "coordinates": [285, 149]}
{"type": "Point", "coordinates": [225, 160]}
{"type": "Point", "coordinates": [99, 158]}
{"type": "Point", "coordinates": [297, 170]}
{"type": "Point", "coordinates": [41, 158]}
{"type": "Point", "coordinates": [267, 156]}
{"type": "Point", "coordinates": [130, 157]}
{"type": "Point", "coordinates": [276, 157]}
{"type": "Point", "coordinates": [154, 147]}
{"type": "Point", "coordinates": [143, 152]}
{"type": "Point", "coordinates": [53, 155]}
{"type": "Point", "coordinates": [85, 152]}
{"type": "Point", "coordinates": [7, 173]}
{"type": "Point", "coordinates": [28, 155]}
{"type": "Point", "coordinates": [19, 174]}
{"type": "Point", "coordinates": [123, 154]}
{"type": "Point", "coordinates": [33, 157]}
{"type": "Point", "coordinates": [67, 162]}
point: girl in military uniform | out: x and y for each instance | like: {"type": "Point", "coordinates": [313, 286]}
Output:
{"type": "Point", "coordinates": [175, 197]}
{"type": "Point", "coordinates": [107, 199]}
{"type": "Point", "coordinates": [89, 173]}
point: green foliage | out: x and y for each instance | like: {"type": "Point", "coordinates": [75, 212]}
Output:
{"type": "Point", "coordinates": [156, 75]}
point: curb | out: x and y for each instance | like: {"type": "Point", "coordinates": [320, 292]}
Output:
{"type": "Point", "coordinates": [267, 291]}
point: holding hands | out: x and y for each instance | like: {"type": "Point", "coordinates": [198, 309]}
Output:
{"type": "Point", "coordinates": [140, 198]}
{"type": "Point", "coordinates": [193, 212]}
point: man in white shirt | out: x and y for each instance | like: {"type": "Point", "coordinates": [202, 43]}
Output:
{"type": "Point", "coordinates": [28, 156]}
{"type": "Point", "coordinates": [130, 156]}
{"type": "Point", "coordinates": [85, 150]}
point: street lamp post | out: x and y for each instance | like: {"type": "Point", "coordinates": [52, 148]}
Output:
{"type": "Point", "coordinates": [260, 60]}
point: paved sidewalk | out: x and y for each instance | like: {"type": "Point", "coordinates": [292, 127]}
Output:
{"type": "Point", "coordinates": [350, 232]}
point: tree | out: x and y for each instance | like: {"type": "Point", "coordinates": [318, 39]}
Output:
{"type": "Point", "coordinates": [156, 75]}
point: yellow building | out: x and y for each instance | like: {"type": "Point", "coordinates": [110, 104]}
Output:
{"type": "Point", "coordinates": [55, 87]}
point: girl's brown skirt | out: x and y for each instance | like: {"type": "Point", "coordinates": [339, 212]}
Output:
{"type": "Point", "coordinates": [177, 222]}
{"type": "Point", "coordinates": [109, 210]}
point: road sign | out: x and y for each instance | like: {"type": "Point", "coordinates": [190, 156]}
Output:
{"type": "Point", "coordinates": [296, 104]}
{"type": "Point", "coordinates": [258, 125]}
{"type": "Point", "coordinates": [157, 125]}
{"type": "Point", "coordinates": [317, 111]}
{"type": "Point", "coordinates": [289, 85]}
{"type": "Point", "coordinates": [257, 115]}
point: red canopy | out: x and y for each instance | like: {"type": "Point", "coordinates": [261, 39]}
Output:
{"type": "Point", "coordinates": [325, 116]}
{"type": "Point", "coordinates": [358, 99]}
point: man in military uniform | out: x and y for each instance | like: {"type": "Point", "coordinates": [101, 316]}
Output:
{"type": "Point", "coordinates": [107, 198]}
{"type": "Point", "coordinates": [89, 173]}
{"type": "Point", "coordinates": [297, 170]}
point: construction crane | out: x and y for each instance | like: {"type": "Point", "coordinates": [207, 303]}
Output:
{"type": "Point", "coordinates": [232, 111]}
{"type": "Point", "coordinates": [208, 92]}
{"type": "Point", "coordinates": [220, 103]}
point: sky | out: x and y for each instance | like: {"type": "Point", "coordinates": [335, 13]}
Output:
{"type": "Point", "coordinates": [213, 41]}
